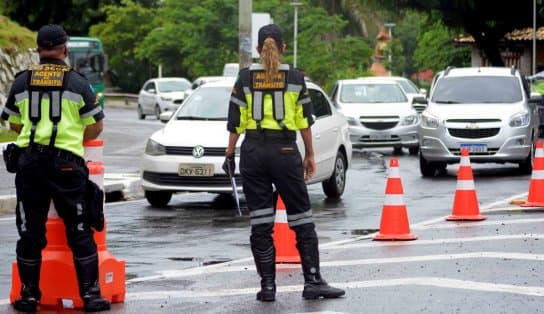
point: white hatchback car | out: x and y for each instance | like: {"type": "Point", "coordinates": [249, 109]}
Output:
{"type": "Point", "coordinates": [161, 94]}
{"type": "Point", "coordinates": [379, 113]}
{"type": "Point", "coordinates": [187, 154]}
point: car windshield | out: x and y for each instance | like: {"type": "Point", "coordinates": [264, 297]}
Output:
{"type": "Point", "coordinates": [477, 89]}
{"type": "Point", "coordinates": [408, 86]}
{"type": "Point", "coordinates": [372, 93]}
{"type": "Point", "coordinates": [173, 86]}
{"type": "Point", "coordinates": [206, 103]}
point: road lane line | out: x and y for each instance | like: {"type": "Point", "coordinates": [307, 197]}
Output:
{"type": "Point", "coordinates": [439, 241]}
{"type": "Point", "coordinates": [409, 281]}
{"type": "Point", "coordinates": [480, 223]}
{"type": "Point", "coordinates": [369, 261]}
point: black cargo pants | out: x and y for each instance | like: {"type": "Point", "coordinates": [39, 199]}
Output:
{"type": "Point", "coordinates": [267, 160]}
{"type": "Point", "coordinates": [43, 177]}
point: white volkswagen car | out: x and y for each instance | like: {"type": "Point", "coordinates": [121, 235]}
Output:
{"type": "Point", "coordinates": [187, 154]}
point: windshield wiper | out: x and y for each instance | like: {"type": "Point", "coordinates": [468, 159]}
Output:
{"type": "Point", "coordinates": [199, 118]}
{"type": "Point", "coordinates": [446, 102]}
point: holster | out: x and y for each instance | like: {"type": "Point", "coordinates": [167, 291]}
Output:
{"type": "Point", "coordinates": [11, 155]}
{"type": "Point", "coordinates": [94, 206]}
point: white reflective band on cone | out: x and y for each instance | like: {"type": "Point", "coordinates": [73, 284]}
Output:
{"type": "Point", "coordinates": [465, 161]}
{"type": "Point", "coordinates": [393, 200]}
{"type": "Point", "coordinates": [537, 174]}
{"type": "Point", "coordinates": [465, 185]}
{"type": "Point", "coordinates": [394, 172]}
{"type": "Point", "coordinates": [281, 216]}
{"type": "Point", "coordinates": [539, 152]}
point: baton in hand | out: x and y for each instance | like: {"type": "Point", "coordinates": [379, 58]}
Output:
{"type": "Point", "coordinates": [230, 172]}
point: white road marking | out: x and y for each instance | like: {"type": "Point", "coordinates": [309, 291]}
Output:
{"type": "Point", "coordinates": [369, 261]}
{"type": "Point", "coordinates": [439, 241]}
{"type": "Point", "coordinates": [480, 223]}
{"type": "Point", "coordinates": [418, 281]}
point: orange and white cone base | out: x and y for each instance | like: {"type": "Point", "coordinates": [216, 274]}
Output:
{"type": "Point", "coordinates": [284, 238]}
{"type": "Point", "coordinates": [394, 223]}
{"type": "Point", "coordinates": [465, 204]}
{"type": "Point", "coordinates": [536, 186]}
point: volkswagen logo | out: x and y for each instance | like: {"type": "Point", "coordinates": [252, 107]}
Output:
{"type": "Point", "coordinates": [198, 151]}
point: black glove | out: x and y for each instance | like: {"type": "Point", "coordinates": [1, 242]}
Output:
{"type": "Point", "coordinates": [229, 166]}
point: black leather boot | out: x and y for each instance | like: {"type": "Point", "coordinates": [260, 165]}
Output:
{"type": "Point", "coordinates": [29, 274]}
{"type": "Point", "coordinates": [314, 286]}
{"type": "Point", "coordinates": [265, 262]}
{"type": "Point", "coordinates": [89, 290]}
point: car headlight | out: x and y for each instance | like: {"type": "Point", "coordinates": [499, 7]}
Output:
{"type": "Point", "coordinates": [409, 120]}
{"type": "Point", "coordinates": [429, 121]}
{"type": "Point", "coordinates": [166, 98]}
{"type": "Point", "coordinates": [352, 121]}
{"type": "Point", "coordinates": [153, 148]}
{"type": "Point", "coordinates": [520, 119]}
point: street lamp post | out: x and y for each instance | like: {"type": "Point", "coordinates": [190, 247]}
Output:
{"type": "Point", "coordinates": [390, 57]}
{"type": "Point", "coordinates": [534, 39]}
{"type": "Point", "coordinates": [295, 32]}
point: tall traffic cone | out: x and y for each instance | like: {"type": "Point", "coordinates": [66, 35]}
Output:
{"type": "Point", "coordinates": [284, 238]}
{"type": "Point", "coordinates": [58, 280]}
{"type": "Point", "coordinates": [394, 224]}
{"type": "Point", "coordinates": [465, 204]}
{"type": "Point", "coordinates": [536, 187]}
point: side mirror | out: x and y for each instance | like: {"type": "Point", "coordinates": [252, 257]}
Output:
{"type": "Point", "coordinates": [166, 116]}
{"type": "Point", "coordinates": [419, 100]}
{"type": "Point", "coordinates": [423, 91]}
{"type": "Point", "coordinates": [536, 98]}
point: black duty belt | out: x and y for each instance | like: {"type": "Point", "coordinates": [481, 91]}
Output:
{"type": "Point", "coordinates": [55, 152]}
{"type": "Point", "coordinates": [272, 134]}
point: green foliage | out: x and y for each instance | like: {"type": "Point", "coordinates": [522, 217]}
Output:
{"type": "Point", "coordinates": [436, 50]}
{"type": "Point", "coordinates": [197, 37]}
{"type": "Point", "coordinates": [123, 31]}
{"type": "Point", "coordinates": [14, 35]}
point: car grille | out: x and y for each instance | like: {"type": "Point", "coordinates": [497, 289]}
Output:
{"type": "Point", "coordinates": [490, 152]}
{"type": "Point", "coordinates": [188, 151]}
{"type": "Point", "coordinates": [379, 122]}
{"type": "Point", "coordinates": [366, 139]}
{"type": "Point", "coordinates": [473, 133]}
{"type": "Point", "coordinates": [173, 179]}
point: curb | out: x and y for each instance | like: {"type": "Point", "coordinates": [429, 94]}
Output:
{"type": "Point", "coordinates": [116, 187]}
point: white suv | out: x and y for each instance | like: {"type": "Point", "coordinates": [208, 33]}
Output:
{"type": "Point", "coordinates": [488, 110]}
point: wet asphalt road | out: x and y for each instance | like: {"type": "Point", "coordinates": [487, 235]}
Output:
{"type": "Point", "coordinates": [194, 257]}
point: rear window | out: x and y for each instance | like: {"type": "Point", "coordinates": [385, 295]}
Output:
{"type": "Point", "coordinates": [477, 89]}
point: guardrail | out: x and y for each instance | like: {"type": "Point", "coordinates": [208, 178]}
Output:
{"type": "Point", "coordinates": [128, 98]}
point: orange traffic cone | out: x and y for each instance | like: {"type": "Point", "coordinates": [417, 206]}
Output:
{"type": "Point", "coordinates": [465, 204]}
{"type": "Point", "coordinates": [284, 238]}
{"type": "Point", "coordinates": [536, 187]}
{"type": "Point", "coordinates": [394, 223]}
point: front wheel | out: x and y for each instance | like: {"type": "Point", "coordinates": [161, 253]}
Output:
{"type": "Point", "coordinates": [335, 185]}
{"type": "Point", "coordinates": [427, 168]}
{"type": "Point", "coordinates": [526, 167]}
{"type": "Point", "coordinates": [157, 112]}
{"type": "Point", "coordinates": [413, 150]}
{"type": "Point", "coordinates": [158, 198]}
{"type": "Point", "coordinates": [141, 114]}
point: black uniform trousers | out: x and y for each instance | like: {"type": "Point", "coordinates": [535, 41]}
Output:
{"type": "Point", "coordinates": [274, 160]}
{"type": "Point", "coordinates": [44, 176]}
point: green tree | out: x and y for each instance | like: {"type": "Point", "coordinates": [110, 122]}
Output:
{"type": "Point", "coordinates": [122, 32]}
{"type": "Point", "coordinates": [76, 16]}
{"type": "Point", "coordinates": [436, 50]}
{"type": "Point", "coordinates": [486, 21]}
